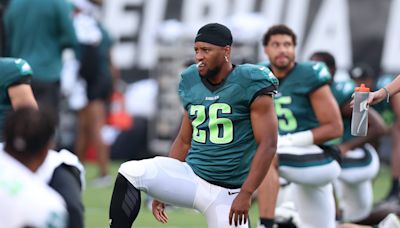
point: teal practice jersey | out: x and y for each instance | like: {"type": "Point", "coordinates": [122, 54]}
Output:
{"type": "Point", "coordinates": [12, 71]}
{"type": "Point", "coordinates": [342, 91]}
{"type": "Point", "coordinates": [38, 31]}
{"type": "Point", "coordinates": [384, 108]}
{"type": "Point", "coordinates": [223, 143]}
{"type": "Point", "coordinates": [292, 103]}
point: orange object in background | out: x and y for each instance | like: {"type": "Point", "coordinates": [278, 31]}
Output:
{"type": "Point", "coordinates": [90, 154]}
{"type": "Point", "coordinates": [118, 117]}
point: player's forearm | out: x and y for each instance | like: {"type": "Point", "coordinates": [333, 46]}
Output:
{"type": "Point", "coordinates": [259, 167]}
{"type": "Point", "coordinates": [376, 127]}
{"type": "Point", "coordinates": [390, 90]}
{"type": "Point", "coordinates": [394, 86]}
{"type": "Point", "coordinates": [396, 137]}
{"type": "Point", "coordinates": [268, 190]}
{"type": "Point", "coordinates": [327, 132]}
{"type": "Point", "coordinates": [356, 142]}
{"type": "Point", "coordinates": [179, 150]}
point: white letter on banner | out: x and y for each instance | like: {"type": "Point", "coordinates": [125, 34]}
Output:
{"type": "Point", "coordinates": [198, 13]}
{"type": "Point", "coordinates": [391, 46]}
{"type": "Point", "coordinates": [296, 18]}
{"type": "Point", "coordinates": [122, 23]}
{"type": "Point", "coordinates": [272, 11]}
{"type": "Point", "coordinates": [153, 15]}
{"type": "Point", "coordinates": [331, 32]}
{"type": "Point", "coordinates": [241, 7]}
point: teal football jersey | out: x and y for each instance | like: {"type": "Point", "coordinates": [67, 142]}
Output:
{"type": "Point", "coordinates": [223, 143]}
{"type": "Point", "coordinates": [11, 71]}
{"type": "Point", "coordinates": [384, 108]}
{"type": "Point", "coordinates": [342, 91]}
{"type": "Point", "coordinates": [292, 103]}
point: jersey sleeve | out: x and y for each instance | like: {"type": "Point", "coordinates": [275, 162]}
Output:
{"type": "Point", "coordinates": [182, 92]}
{"type": "Point", "coordinates": [262, 82]}
{"type": "Point", "coordinates": [346, 90]}
{"type": "Point", "coordinates": [320, 76]}
{"type": "Point", "coordinates": [19, 72]}
{"type": "Point", "coordinates": [185, 84]}
{"type": "Point", "coordinates": [23, 67]}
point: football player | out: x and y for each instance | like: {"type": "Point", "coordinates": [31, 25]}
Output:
{"type": "Point", "coordinates": [224, 147]}
{"type": "Point", "coordinates": [308, 116]}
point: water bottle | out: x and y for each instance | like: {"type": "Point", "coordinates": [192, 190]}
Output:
{"type": "Point", "coordinates": [359, 119]}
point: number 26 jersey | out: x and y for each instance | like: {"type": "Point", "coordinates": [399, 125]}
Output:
{"type": "Point", "coordinates": [223, 143]}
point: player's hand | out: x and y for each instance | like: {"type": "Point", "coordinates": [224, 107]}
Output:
{"type": "Point", "coordinates": [376, 97]}
{"type": "Point", "coordinates": [239, 212]}
{"type": "Point", "coordinates": [158, 209]}
{"type": "Point", "coordinates": [373, 98]}
{"type": "Point", "coordinates": [343, 149]}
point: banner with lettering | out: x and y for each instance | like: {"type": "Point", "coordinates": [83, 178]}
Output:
{"type": "Point", "coordinates": [354, 31]}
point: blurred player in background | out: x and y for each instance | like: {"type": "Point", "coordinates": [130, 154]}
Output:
{"type": "Point", "coordinates": [360, 162]}
{"type": "Point", "coordinates": [387, 91]}
{"type": "Point", "coordinates": [26, 201]}
{"type": "Point", "coordinates": [224, 147]}
{"type": "Point", "coordinates": [95, 70]}
{"type": "Point", "coordinates": [308, 116]}
{"type": "Point", "coordinates": [62, 171]}
{"type": "Point", "coordinates": [38, 31]}
{"type": "Point", "coordinates": [15, 89]}
{"type": "Point", "coordinates": [390, 112]}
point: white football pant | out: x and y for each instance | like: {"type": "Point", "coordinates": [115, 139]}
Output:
{"type": "Point", "coordinates": [174, 182]}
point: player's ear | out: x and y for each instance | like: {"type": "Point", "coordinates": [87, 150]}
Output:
{"type": "Point", "coordinates": [227, 50]}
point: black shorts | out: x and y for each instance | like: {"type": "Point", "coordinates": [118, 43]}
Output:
{"type": "Point", "coordinates": [100, 89]}
{"type": "Point", "coordinates": [47, 95]}
{"type": "Point", "coordinates": [98, 84]}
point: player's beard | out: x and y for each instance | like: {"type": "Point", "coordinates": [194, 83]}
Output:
{"type": "Point", "coordinates": [286, 66]}
{"type": "Point", "coordinates": [211, 73]}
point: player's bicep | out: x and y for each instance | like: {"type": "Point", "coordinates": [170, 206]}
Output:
{"type": "Point", "coordinates": [328, 115]}
{"type": "Point", "coordinates": [325, 106]}
{"type": "Point", "coordinates": [182, 142]}
{"type": "Point", "coordinates": [185, 132]}
{"type": "Point", "coordinates": [21, 95]}
{"type": "Point", "coordinates": [264, 120]}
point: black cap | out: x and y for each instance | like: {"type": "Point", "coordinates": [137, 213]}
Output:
{"type": "Point", "coordinates": [214, 33]}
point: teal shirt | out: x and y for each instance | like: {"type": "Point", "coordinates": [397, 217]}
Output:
{"type": "Point", "coordinates": [384, 108]}
{"type": "Point", "coordinates": [292, 103]}
{"type": "Point", "coordinates": [223, 143]}
{"type": "Point", "coordinates": [38, 31]}
{"type": "Point", "coordinates": [342, 91]}
{"type": "Point", "coordinates": [11, 71]}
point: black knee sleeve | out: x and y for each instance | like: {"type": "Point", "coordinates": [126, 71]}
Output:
{"type": "Point", "coordinates": [125, 203]}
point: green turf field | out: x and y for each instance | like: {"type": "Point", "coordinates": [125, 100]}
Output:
{"type": "Point", "coordinates": [96, 201]}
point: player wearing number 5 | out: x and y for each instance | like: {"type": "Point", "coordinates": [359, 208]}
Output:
{"type": "Point", "coordinates": [308, 116]}
{"type": "Point", "coordinates": [224, 147]}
